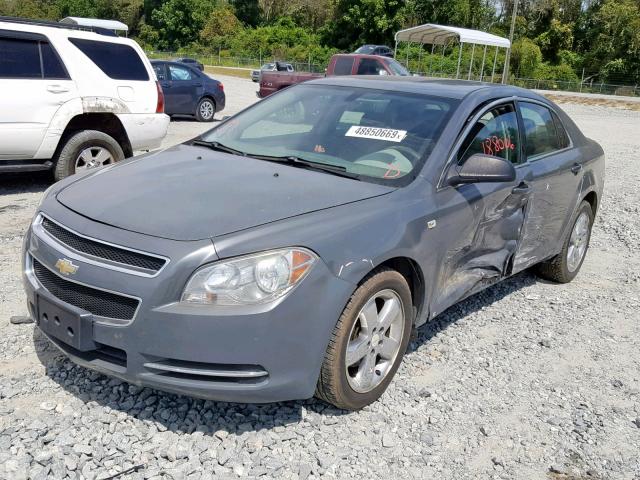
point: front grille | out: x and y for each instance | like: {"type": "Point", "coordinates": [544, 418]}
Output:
{"type": "Point", "coordinates": [101, 250]}
{"type": "Point", "coordinates": [97, 302]}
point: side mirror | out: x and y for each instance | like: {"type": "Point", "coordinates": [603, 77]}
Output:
{"type": "Point", "coordinates": [383, 72]}
{"type": "Point", "coordinates": [481, 168]}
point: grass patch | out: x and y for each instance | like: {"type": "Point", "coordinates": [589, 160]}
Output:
{"type": "Point", "coordinates": [232, 72]}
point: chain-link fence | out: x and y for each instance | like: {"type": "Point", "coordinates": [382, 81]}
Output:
{"type": "Point", "coordinates": [589, 85]}
{"type": "Point", "coordinates": [221, 60]}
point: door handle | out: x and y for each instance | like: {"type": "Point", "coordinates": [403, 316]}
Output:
{"type": "Point", "coordinates": [57, 89]}
{"type": "Point", "coordinates": [576, 168]}
{"type": "Point", "coordinates": [521, 189]}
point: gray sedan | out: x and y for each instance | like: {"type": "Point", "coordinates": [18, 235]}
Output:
{"type": "Point", "coordinates": [291, 250]}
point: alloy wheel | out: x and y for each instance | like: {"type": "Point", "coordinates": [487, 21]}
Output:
{"type": "Point", "coordinates": [206, 110]}
{"type": "Point", "coordinates": [578, 242]}
{"type": "Point", "coordinates": [93, 157]}
{"type": "Point", "coordinates": [374, 341]}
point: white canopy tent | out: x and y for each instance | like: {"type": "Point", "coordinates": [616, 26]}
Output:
{"type": "Point", "coordinates": [113, 25]}
{"type": "Point", "coordinates": [433, 34]}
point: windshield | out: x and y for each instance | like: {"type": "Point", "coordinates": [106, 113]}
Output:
{"type": "Point", "coordinates": [397, 68]}
{"type": "Point", "coordinates": [381, 136]}
{"type": "Point", "coordinates": [366, 49]}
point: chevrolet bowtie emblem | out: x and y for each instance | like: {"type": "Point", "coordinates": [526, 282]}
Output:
{"type": "Point", "coordinates": [66, 267]}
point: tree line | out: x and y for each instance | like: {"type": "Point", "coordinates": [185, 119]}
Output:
{"type": "Point", "coordinates": [555, 39]}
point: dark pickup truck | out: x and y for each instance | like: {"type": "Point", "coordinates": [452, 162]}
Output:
{"type": "Point", "coordinates": [340, 64]}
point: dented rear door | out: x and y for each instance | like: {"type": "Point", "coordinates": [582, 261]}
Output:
{"type": "Point", "coordinates": [481, 224]}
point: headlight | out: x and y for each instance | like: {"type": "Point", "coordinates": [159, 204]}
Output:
{"type": "Point", "coordinates": [252, 279]}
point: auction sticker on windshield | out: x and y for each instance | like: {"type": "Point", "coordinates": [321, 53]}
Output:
{"type": "Point", "coordinates": [388, 134]}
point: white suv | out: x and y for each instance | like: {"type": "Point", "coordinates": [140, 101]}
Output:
{"type": "Point", "coordinates": [73, 98]}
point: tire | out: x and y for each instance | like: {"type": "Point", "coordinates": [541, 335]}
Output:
{"type": "Point", "coordinates": [340, 384]}
{"type": "Point", "coordinates": [561, 268]}
{"type": "Point", "coordinates": [206, 110]}
{"type": "Point", "coordinates": [88, 144]}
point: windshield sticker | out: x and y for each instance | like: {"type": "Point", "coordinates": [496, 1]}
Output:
{"type": "Point", "coordinates": [493, 145]}
{"type": "Point", "coordinates": [351, 117]}
{"type": "Point", "coordinates": [373, 133]}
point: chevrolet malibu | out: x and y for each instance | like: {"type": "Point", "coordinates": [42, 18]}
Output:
{"type": "Point", "coordinates": [291, 250]}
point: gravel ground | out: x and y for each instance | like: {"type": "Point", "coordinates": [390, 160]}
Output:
{"type": "Point", "coordinates": [527, 380]}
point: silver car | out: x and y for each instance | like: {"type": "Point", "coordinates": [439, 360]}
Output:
{"type": "Point", "coordinates": [256, 75]}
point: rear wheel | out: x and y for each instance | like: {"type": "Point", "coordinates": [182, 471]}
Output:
{"type": "Point", "coordinates": [206, 110]}
{"type": "Point", "coordinates": [368, 342]}
{"type": "Point", "coordinates": [565, 266]}
{"type": "Point", "coordinates": [86, 150]}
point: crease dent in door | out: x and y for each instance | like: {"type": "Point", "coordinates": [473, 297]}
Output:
{"type": "Point", "coordinates": [489, 256]}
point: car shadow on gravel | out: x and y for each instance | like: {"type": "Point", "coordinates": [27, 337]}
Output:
{"type": "Point", "coordinates": [470, 305]}
{"type": "Point", "coordinates": [27, 182]}
{"type": "Point", "coordinates": [175, 413]}
{"type": "Point", "coordinates": [185, 414]}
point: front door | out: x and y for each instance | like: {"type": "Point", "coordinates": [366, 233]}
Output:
{"type": "Point", "coordinates": [556, 175]}
{"type": "Point", "coordinates": [482, 222]}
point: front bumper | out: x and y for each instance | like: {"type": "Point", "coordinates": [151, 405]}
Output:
{"type": "Point", "coordinates": [239, 354]}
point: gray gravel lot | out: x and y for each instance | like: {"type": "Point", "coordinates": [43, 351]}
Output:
{"type": "Point", "coordinates": [527, 380]}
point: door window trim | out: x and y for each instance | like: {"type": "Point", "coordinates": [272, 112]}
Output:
{"type": "Point", "coordinates": [542, 156]}
{"type": "Point", "coordinates": [453, 153]}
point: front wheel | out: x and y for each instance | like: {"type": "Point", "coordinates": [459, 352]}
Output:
{"type": "Point", "coordinates": [368, 342]}
{"type": "Point", "coordinates": [565, 266]}
{"type": "Point", "coordinates": [206, 110]}
{"type": "Point", "coordinates": [85, 150]}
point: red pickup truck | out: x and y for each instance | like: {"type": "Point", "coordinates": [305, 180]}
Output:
{"type": "Point", "coordinates": [341, 64]}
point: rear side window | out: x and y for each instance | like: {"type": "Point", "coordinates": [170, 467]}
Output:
{"type": "Point", "coordinates": [117, 61]}
{"type": "Point", "coordinates": [495, 134]}
{"type": "Point", "coordinates": [179, 73]}
{"type": "Point", "coordinates": [24, 58]}
{"type": "Point", "coordinates": [51, 64]}
{"type": "Point", "coordinates": [19, 59]}
{"type": "Point", "coordinates": [539, 130]}
{"type": "Point", "coordinates": [343, 66]}
{"type": "Point", "coordinates": [563, 137]}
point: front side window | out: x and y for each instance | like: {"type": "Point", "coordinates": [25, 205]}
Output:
{"type": "Point", "coordinates": [179, 73]}
{"type": "Point", "coordinates": [380, 136]}
{"type": "Point", "coordinates": [25, 58]}
{"type": "Point", "coordinates": [19, 58]}
{"type": "Point", "coordinates": [343, 66]}
{"type": "Point", "coordinates": [117, 61]}
{"type": "Point", "coordinates": [539, 130]}
{"type": "Point", "coordinates": [495, 134]}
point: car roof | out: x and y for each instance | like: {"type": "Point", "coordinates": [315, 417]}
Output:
{"type": "Point", "coordinates": [445, 88]}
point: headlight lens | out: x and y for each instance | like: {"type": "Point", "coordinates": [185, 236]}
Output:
{"type": "Point", "coordinates": [252, 279]}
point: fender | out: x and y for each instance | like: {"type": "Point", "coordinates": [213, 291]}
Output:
{"type": "Point", "coordinates": [69, 110]}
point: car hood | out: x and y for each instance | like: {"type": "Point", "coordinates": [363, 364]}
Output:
{"type": "Point", "coordinates": [192, 193]}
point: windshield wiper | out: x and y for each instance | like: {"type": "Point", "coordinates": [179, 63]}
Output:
{"type": "Point", "coordinates": [308, 164]}
{"type": "Point", "coordinates": [219, 147]}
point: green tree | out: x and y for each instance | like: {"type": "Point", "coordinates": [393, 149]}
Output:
{"type": "Point", "coordinates": [221, 26]}
{"type": "Point", "coordinates": [525, 57]}
{"type": "Point", "coordinates": [356, 22]}
{"type": "Point", "coordinates": [247, 11]}
{"type": "Point", "coordinates": [179, 22]}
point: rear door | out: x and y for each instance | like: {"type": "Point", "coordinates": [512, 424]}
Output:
{"type": "Point", "coordinates": [33, 84]}
{"type": "Point", "coordinates": [481, 222]}
{"type": "Point", "coordinates": [556, 175]}
{"type": "Point", "coordinates": [184, 88]}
